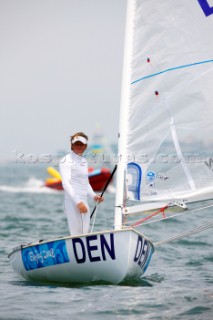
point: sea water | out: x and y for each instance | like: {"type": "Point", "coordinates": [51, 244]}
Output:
{"type": "Point", "coordinates": [177, 285]}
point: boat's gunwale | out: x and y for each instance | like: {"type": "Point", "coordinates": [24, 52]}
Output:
{"type": "Point", "coordinates": [124, 229]}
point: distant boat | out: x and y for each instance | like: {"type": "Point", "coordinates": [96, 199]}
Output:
{"type": "Point", "coordinates": [97, 178]}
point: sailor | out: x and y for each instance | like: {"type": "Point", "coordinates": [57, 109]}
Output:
{"type": "Point", "coordinates": [74, 173]}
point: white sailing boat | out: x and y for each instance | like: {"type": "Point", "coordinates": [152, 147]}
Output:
{"type": "Point", "coordinates": [164, 143]}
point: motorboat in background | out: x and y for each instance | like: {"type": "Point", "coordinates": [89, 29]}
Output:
{"type": "Point", "coordinates": [97, 178]}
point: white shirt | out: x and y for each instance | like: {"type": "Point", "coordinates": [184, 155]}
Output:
{"type": "Point", "coordinates": [74, 174]}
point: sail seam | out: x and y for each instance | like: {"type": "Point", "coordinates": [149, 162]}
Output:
{"type": "Point", "coordinates": [171, 69]}
{"type": "Point", "coordinates": [179, 152]}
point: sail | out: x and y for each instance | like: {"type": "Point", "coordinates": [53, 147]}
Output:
{"type": "Point", "coordinates": [169, 116]}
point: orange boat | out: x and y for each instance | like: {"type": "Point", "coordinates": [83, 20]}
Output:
{"type": "Point", "coordinates": [97, 178]}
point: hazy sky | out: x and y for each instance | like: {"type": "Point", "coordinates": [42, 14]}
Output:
{"type": "Point", "coordinates": [60, 72]}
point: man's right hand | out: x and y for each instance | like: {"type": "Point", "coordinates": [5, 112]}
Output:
{"type": "Point", "coordinates": [81, 207]}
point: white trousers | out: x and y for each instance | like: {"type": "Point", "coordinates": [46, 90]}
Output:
{"type": "Point", "coordinates": [78, 222]}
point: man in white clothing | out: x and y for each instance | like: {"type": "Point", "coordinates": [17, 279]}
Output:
{"type": "Point", "coordinates": [74, 173]}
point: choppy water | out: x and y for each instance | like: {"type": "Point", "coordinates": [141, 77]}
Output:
{"type": "Point", "coordinates": [177, 285]}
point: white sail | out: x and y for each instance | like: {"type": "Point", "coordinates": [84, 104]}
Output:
{"type": "Point", "coordinates": [169, 116]}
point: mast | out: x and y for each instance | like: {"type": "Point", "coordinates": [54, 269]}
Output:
{"type": "Point", "coordinates": [124, 107]}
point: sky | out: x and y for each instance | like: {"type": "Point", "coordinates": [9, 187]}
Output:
{"type": "Point", "coordinates": [60, 72]}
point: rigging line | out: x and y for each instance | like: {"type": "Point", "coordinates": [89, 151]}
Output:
{"type": "Point", "coordinates": [95, 214]}
{"type": "Point", "coordinates": [161, 210]}
{"type": "Point", "coordinates": [198, 229]}
{"type": "Point", "coordinates": [82, 224]}
{"type": "Point", "coordinates": [178, 214]}
{"type": "Point", "coordinates": [171, 69]}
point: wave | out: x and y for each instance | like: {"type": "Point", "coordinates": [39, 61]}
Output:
{"type": "Point", "coordinates": [31, 186]}
{"type": "Point", "coordinates": [34, 185]}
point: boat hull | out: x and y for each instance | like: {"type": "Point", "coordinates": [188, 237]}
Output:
{"type": "Point", "coordinates": [97, 178]}
{"type": "Point", "coordinates": [111, 256]}
{"type": "Point", "coordinates": [54, 184]}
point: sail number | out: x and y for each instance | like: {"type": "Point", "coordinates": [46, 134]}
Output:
{"type": "Point", "coordinates": [142, 252]}
{"type": "Point", "coordinates": [96, 251]}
